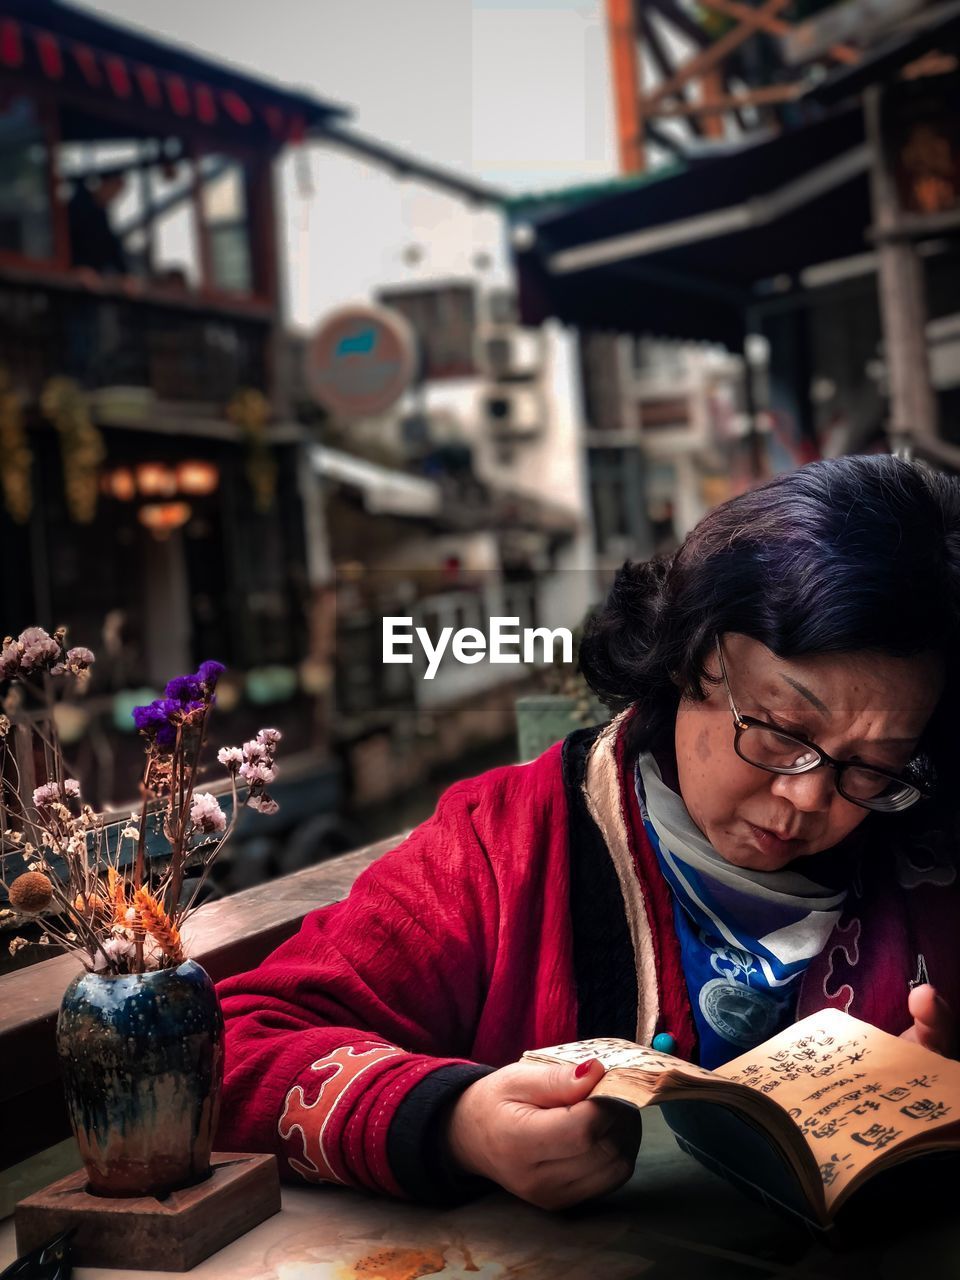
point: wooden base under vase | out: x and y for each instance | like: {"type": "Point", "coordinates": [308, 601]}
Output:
{"type": "Point", "coordinates": [146, 1234]}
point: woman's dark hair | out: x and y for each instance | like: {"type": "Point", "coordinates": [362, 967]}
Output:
{"type": "Point", "coordinates": [841, 556]}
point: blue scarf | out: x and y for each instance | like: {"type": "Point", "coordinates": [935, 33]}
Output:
{"type": "Point", "coordinates": [745, 936]}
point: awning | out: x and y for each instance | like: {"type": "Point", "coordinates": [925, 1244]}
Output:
{"type": "Point", "coordinates": [384, 491]}
{"type": "Point", "coordinates": [936, 28]}
{"type": "Point", "coordinates": [58, 43]}
{"type": "Point", "coordinates": [687, 256]}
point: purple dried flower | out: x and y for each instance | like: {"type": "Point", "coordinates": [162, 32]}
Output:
{"type": "Point", "coordinates": [159, 719]}
{"type": "Point", "coordinates": [156, 720]}
{"type": "Point", "coordinates": [38, 649]}
{"type": "Point", "coordinates": [208, 673]}
{"type": "Point", "coordinates": [184, 689]}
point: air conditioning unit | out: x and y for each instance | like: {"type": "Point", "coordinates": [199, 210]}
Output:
{"type": "Point", "coordinates": [501, 306]}
{"type": "Point", "coordinates": [513, 413]}
{"type": "Point", "coordinates": [510, 355]}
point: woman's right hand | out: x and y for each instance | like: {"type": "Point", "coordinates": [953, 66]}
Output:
{"type": "Point", "coordinates": [530, 1128]}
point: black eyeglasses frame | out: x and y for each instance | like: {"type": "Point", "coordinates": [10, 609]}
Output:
{"type": "Point", "coordinates": [742, 722]}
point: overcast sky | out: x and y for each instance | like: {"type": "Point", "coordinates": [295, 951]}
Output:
{"type": "Point", "coordinates": [514, 92]}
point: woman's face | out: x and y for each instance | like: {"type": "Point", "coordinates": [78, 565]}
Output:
{"type": "Point", "coordinates": [856, 706]}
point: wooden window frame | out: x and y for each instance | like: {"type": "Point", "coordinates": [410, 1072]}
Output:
{"type": "Point", "coordinates": [258, 162]}
{"type": "Point", "coordinates": [46, 107]}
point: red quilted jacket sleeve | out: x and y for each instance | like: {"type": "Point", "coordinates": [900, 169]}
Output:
{"type": "Point", "coordinates": [345, 1046]}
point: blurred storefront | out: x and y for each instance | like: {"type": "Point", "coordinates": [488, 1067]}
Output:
{"type": "Point", "coordinates": [151, 474]}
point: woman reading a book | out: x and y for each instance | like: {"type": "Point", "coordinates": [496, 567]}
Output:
{"type": "Point", "coordinates": [767, 827]}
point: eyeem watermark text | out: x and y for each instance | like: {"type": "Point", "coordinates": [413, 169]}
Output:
{"type": "Point", "coordinates": [504, 641]}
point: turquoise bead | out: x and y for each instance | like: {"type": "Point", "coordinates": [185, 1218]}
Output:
{"type": "Point", "coordinates": [664, 1042]}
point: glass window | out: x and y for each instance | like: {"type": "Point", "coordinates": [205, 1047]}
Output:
{"type": "Point", "coordinates": [26, 226]}
{"type": "Point", "coordinates": [227, 222]}
{"type": "Point", "coordinates": [130, 205]}
{"type": "Point", "coordinates": [174, 247]}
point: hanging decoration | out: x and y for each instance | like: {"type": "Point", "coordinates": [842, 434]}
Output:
{"type": "Point", "coordinates": [59, 58]}
{"type": "Point", "coordinates": [249, 409]}
{"type": "Point", "coordinates": [16, 459]}
{"type": "Point", "coordinates": [81, 445]}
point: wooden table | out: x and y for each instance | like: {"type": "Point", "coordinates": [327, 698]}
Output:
{"type": "Point", "coordinates": [673, 1220]}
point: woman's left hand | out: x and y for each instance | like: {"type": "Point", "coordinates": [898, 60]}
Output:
{"type": "Point", "coordinates": [934, 1024]}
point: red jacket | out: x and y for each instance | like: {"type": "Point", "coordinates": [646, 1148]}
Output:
{"type": "Point", "coordinates": [528, 910]}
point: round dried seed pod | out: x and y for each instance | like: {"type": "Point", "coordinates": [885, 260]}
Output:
{"type": "Point", "coordinates": [31, 892]}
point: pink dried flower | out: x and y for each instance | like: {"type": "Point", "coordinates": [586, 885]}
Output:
{"type": "Point", "coordinates": [254, 751]}
{"type": "Point", "coordinates": [269, 737]}
{"type": "Point", "coordinates": [47, 795]}
{"type": "Point", "coordinates": [37, 649]}
{"type": "Point", "coordinates": [206, 814]}
{"type": "Point", "coordinates": [77, 662]}
{"type": "Point", "coordinates": [258, 773]}
{"type": "Point", "coordinates": [9, 660]}
{"type": "Point", "coordinates": [263, 804]}
{"type": "Point", "coordinates": [231, 758]}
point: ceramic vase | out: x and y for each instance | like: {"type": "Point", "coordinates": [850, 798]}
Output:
{"type": "Point", "coordinates": [141, 1057]}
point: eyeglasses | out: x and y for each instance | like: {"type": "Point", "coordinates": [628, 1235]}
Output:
{"type": "Point", "coordinates": [770, 748]}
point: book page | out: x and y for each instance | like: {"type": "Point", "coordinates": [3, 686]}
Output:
{"type": "Point", "coordinates": [853, 1091]}
{"type": "Point", "coordinates": [618, 1053]}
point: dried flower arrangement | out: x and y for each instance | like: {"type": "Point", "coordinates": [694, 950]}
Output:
{"type": "Point", "coordinates": [92, 883]}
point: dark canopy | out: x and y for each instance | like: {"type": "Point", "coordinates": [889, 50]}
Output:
{"type": "Point", "coordinates": [686, 256]}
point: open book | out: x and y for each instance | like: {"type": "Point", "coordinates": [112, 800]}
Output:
{"type": "Point", "coordinates": [806, 1118]}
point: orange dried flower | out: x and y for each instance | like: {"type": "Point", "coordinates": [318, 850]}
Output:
{"type": "Point", "coordinates": [159, 925]}
{"type": "Point", "coordinates": [31, 892]}
{"type": "Point", "coordinates": [93, 905]}
{"type": "Point", "coordinates": [117, 896]}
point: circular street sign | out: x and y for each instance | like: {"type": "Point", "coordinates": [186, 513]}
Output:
{"type": "Point", "coordinates": [360, 360]}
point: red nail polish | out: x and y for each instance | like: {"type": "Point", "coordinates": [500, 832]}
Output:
{"type": "Point", "coordinates": [584, 1067]}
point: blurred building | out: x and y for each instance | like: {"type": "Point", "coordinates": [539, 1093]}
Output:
{"type": "Point", "coordinates": [794, 175]}
{"type": "Point", "coordinates": [668, 437]}
{"type": "Point", "coordinates": [464, 501]}
{"type": "Point", "coordinates": [172, 488]}
{"type": "Point", "coordinates": [152, 479]}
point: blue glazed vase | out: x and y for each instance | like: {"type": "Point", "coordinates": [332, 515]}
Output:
{"type": "Point", "coordinates": [141, 1056]}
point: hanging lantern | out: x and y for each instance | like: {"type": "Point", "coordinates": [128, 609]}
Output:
{"type": "Point", "coordinates": [156, 480]}
{"type": "Point", "coordinates": [197, 477]}
{"type": "Point", "coordinates": [162, 518]}
{"type": "Point", "coordinates": [119, 483]}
